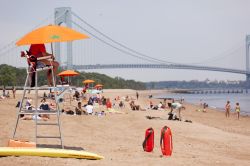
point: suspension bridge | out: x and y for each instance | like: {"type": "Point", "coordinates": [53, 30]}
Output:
{"type": "Point", "coordinates": [98, 43]}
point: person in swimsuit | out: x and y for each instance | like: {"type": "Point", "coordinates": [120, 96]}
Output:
{"type": "Point", "coordinates": [228, 108]}
{"type": "Point", "coordinates": [237, 110]}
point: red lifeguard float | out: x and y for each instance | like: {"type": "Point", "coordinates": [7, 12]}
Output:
{"type": "Point", "coordinates": [148, 143]}
{"type": "Point", "coordinates": [166, 141]}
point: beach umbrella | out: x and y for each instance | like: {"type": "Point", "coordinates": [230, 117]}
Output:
{"type": "Point", "coordinates": [88, 81]}
{"type": "Point", "coordinates": [99, 85]}
{"type": "Point", "coordinates": [68, 73]}
{"type": "Point", "coordinates": [50, 34]}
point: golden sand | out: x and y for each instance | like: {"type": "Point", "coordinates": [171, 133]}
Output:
{"type": "Point", "coordinates": [210, 140]}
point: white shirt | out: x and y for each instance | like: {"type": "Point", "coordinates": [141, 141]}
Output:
{"type": "Point", "coordinates": [159, 105]}
{"type": "Point", "coordinates": [89, 109]}
{"type": "Point", "coordinates": [176, 105]}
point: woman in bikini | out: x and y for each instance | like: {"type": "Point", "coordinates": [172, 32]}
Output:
{"type": "Point", "coordinates": [237, 110]}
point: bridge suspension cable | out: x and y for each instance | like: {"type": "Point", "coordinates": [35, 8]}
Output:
{"type": "Point", "coordinates": [225, 54]}
{"type": "Point", "coordinates": [121, 50]}
{"type": "Point", "coordinates": [135, 53]}
{"type": "Point", "coordinates": [209, 60]}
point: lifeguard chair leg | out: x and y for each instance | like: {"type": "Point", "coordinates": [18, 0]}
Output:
{"type": "Point", "coordinates": [21, 104]}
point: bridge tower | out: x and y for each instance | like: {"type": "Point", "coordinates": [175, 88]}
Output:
{"type": "Point", "coordinates": [247, 60]}
{"type": "Point", "coordinates": [63, 15]}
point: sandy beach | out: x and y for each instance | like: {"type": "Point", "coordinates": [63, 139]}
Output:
{"type": "Point", "coordinates": [211, 139]}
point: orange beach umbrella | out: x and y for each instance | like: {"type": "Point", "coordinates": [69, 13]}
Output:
{"type": "Point", "coordinates": [99, 85]}
{"type": "Point", "coordinates": [49, 34]}
{"type": "Point", "coordinates": [68, 73]}
{"type": "Point", "coordinates": [88, 81]}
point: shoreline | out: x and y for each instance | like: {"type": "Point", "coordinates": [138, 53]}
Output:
{"type": "Point", "coordinates": [194, 99]}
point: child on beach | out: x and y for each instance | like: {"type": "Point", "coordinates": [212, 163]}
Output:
{"type": "Point", "coordinates": [237, 110]}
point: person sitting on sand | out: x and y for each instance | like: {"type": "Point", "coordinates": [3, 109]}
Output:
{"type": "Point", "coordinates": [108, 103]}
{"type": "Point", "coordinates": [68, 112]}
{"type": "Point", "coordinates": [103, 100]}
{"type": "Point", "coordinates": [89, 109]}
{"type": "Point", "coordinates": [172, 116]}
{"type": "Point", "coordinates": [121, 105]}
{"type": "Point", "coordinates": [151, 104]}
{"type": "Point", "coordinates": [79, 110]}
{"type": "Point", "coordinates": [205, 105]}
{"type": "Point", "coordinates": [160, 105]}
{"type": "Point", "coordinates": [44, 106]}
{"type": "Point", "coordinates": [127, 98]}
{"type": "Point", "coordinates": [77, 95]}
{"type": "Point", "coordinates": [33, 117]}
{"type": "Point", "coordinates": [133, 106]}
{"type": "Point", "coordinates": [8, 94]}
{"type": "Point", "coordinates": [28, 105]}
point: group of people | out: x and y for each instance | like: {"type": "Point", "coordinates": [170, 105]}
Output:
{"type": "Point", "coordinates": [44, 106]}
{"type": "Point", "coordinates": [172, 105]}
{"type": "Point", "coordinates": [228, 109]}
{"type": "Point", "coordinates": [93, 104]}
{"type": "Point", "coordinates": [6, 93]}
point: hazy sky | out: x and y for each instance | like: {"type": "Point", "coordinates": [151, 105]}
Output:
{"type": "Point", "coordinates": [184, 31]}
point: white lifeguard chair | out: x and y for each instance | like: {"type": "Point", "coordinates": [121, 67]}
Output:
{"type": "Point", "coordinates": [36, 111]}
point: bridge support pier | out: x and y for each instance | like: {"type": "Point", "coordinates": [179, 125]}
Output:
{"type": "Point", "coordinates": [63, 15]}
{"type": "Point", "coordinates": [248, 81]}
{"type": "Point", "coordinates": [247, 61]}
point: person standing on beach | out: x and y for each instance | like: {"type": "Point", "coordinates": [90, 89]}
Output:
{"type": "Point", "coordinates": [228, 108]}
{"type": "Point", "coordinates": [237, 110]}
{"type": "Point", "coordinates": [14, 92]}
{"type": "Point", "coordinates": [137, 95]}
{"type": "Point", "coordinates": [178, 107]}
{"type": "Point", "coordinates": [4, 91]}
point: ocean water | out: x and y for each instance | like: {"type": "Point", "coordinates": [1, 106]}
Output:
{"type": "Point", "coordinates": [217, 101]}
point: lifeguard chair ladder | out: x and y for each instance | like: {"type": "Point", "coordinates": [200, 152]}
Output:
{"type": "Point", "coordinates": [36, 111]}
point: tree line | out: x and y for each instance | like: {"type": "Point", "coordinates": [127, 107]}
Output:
{"type": "Point", "coordinates": [12, 76]}
{"type": "Point", "coordinates": [195, 84]}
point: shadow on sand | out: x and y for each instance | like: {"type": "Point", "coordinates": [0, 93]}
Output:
{"type": "Point", "coordinates": [59, 147]}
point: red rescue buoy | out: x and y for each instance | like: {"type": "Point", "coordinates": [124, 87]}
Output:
{"type": "Point", "coordinates": [166, 141]}
{"type": "Point", "coordinates": [148, 143]}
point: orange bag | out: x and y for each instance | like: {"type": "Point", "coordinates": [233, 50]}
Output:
{"type": "Point", "coordinates": [21, 143]}
{"type": "Point", "coordinates": [148, 143]}
{"type": "Point", "coordinates": [166, 141]}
